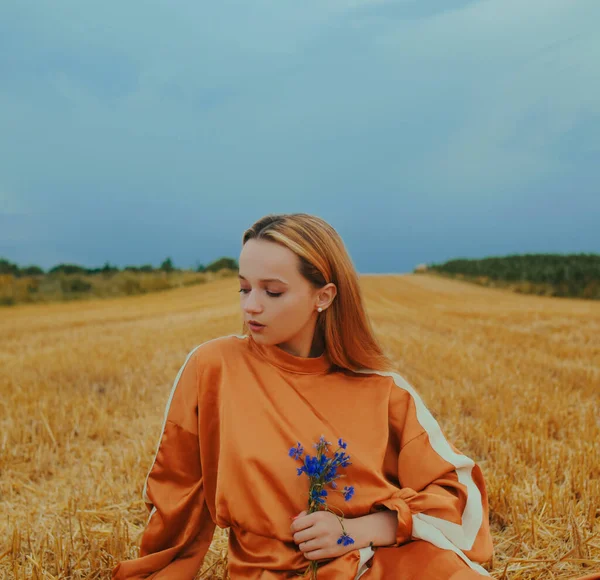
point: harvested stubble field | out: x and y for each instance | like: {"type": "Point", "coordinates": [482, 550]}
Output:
{"type": "Point", "coordinates": [513, 380]}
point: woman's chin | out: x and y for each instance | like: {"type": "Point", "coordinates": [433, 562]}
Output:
{"type": "Point", "coordinates": [258, 336]}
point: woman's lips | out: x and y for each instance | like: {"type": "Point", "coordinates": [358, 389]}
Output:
{"type": "Point", "coordinates": [256, 327]}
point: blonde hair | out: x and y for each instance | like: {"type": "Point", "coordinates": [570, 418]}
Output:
{"type": "Point", "coordinates": [344, 325]}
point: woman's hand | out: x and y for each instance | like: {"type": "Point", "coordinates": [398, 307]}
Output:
{"type": "Point", "coordinates": [317, 534]}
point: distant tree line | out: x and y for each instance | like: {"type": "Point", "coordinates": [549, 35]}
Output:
{"type": "Point", "coordinates": [7, 267]}
{"type": "Point", "coordinates": [75, 282]}
{"type": "Point", "coordinates": [569, 275]}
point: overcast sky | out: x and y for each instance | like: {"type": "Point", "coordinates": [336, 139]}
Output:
{"type": "Point", "coordinates": [421, 130]}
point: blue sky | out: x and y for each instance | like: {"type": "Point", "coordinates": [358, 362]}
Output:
{"type": "Point", "coordinates": [421, 130]}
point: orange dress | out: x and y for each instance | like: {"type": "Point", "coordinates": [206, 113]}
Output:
{"type": "Point", "coordinates": [235, 410]}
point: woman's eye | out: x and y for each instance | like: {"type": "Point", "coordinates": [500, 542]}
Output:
{"type": "Point", "coordinates": [272, 294]}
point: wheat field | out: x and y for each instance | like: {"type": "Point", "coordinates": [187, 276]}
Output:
{"type": "Point", "coordinates": [513, 380]}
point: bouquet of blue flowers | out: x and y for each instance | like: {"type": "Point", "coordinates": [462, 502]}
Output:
{"type": "Point", "coordinates": [322, 470]}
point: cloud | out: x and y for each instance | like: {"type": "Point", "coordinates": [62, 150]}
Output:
{"type": "Point", "coordinates": [406, 108]}
{"type": "Point", "coordinates": [518, 78]}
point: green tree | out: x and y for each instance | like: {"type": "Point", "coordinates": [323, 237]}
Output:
{"type": "Point", "coordinates": [167, 265]}
{"type": "Point", "coordinates": [222, 263]}
{"type": "Point", "coordinates": [7, 267]}
{"type": "Point", "coordinates": [108, 269]}
{"type": "Point", "coordinates": [32, 271]}
{"type": "Point", "coordinates": [67, 269]}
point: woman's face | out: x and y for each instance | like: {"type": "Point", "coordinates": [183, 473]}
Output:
{"type": "Point", "coordinates": [273, 293]}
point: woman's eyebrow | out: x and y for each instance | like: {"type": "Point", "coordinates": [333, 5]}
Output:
{"type": "Point", "coordinates": [266, 279]}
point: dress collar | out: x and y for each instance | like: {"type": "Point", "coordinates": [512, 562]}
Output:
{"type": "Point", "coordinates": [290, 362]}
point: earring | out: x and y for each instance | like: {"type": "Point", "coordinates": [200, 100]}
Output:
{"type": "Point", "coordinates": [320, 309]}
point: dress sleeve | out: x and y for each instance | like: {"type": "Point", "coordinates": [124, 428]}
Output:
{"type": "Point", "coordinates": [442, 496]}
{"type": "Point", "coordinates": [179, 529]}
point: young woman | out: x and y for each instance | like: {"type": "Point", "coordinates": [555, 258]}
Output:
{"type": "Point", "coordinates": [306, 366]}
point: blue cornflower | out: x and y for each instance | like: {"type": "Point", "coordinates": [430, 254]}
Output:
{"type": "Point", "coordinates": [322, 443]}
{"type": "Point", "coordinates": [296, 452]}
{"type": "Point", "coordinates": [313, 466]}
{"type": "Point", "coordinates": [318, 495]}
{"type": "Point", "coordinates": [346, 539]}
{"type": "Point", "coordinates": [322, 470]}
{"type": "Point", "coordinates": [341, 459]}
{"type": "Point", "coordinates": [307, 467]}
{"type": "Point", "coordinates": [331, 473]}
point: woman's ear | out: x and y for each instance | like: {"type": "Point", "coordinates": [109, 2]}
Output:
{"type": "Point", "coordinates": [327, 295]}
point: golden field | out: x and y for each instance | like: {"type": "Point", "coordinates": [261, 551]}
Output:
{"type": "Point", "coordinates": [514, 381]}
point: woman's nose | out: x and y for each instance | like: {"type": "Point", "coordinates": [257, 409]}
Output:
{"type": "Point", "coordinates": [251, 304]}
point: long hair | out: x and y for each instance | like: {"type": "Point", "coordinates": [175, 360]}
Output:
{"type": "Point", "coordinates": [344, 326]}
